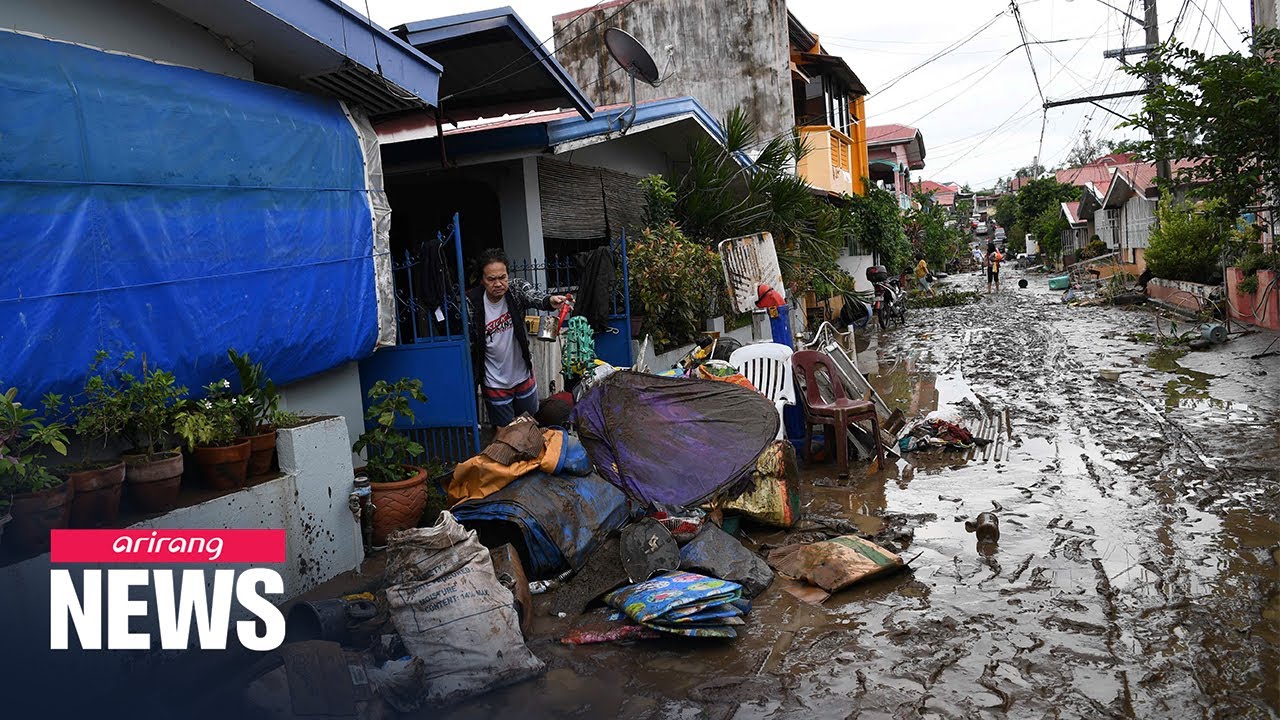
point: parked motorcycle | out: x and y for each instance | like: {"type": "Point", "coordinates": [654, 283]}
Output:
{"type": "Point", "coordinates": [890, 303]}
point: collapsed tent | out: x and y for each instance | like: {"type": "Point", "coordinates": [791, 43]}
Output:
{"type": "Point", "coordinates": [674, 441]}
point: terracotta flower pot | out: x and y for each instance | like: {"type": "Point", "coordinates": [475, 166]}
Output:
{"type": "Point", "coordinates": [153, 486]}
{"type": "Point", "coordinates": [398, 505]}
{"type": "Point", "coordinates": [96, 499]}
{"type": "Point", "coordinates": [262, 451]}
{"type": "Point", "coordinates": [36, 513]}
{"type": "Point", "coordinates": [223, 468]}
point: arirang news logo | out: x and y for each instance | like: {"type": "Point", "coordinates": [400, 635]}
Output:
{"type": "Point", "coordinates": [136, 608]}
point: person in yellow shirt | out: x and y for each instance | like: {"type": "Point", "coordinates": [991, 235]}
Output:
{"type": "Point", "coordinates": [922, 275]}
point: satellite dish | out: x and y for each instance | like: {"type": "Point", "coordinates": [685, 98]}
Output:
{"type": "Point", "coordinates": [631, 55]}
{"type": "Point", "coordinates": [637, 62]}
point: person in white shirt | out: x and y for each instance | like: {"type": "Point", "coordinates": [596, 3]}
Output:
{"type": "Point", "coordinates": [500, 356]}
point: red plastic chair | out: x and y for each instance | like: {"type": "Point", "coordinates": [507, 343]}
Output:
{"type": "Point", "coordinates": [836, 415]}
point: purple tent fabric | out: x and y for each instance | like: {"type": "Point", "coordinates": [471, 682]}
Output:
{"type": "Point", "coordinates": [674, 441]}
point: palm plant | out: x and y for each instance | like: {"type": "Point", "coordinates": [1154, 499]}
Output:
{"type": "Point", "coordinates": [748, 186]}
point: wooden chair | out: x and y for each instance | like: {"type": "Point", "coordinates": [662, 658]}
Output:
{"type": "Point", "coordinates": [836, 415]}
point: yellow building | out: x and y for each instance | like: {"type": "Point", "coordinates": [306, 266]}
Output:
{"type": "Point", "coordinates": [830, 114]}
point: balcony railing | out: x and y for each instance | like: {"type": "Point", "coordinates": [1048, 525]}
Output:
{"type": "Point", "coordinates": [829, 164]}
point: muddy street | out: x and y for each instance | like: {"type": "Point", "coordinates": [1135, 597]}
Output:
{"type": "Point", "coordinates": [1135, 575]}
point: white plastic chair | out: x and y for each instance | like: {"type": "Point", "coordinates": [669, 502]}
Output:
{"type": "Point", "coordinates": [768, 367]}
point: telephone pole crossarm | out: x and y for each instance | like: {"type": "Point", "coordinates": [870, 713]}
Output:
{"type": "Point", "coordinates": [1091, 98]}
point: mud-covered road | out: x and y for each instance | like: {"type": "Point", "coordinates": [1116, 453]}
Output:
{"type": "Point", "coordinates": [1136, 573]}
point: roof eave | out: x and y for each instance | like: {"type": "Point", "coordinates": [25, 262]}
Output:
{"type": "Point", "coordinates": [322, 29]}
{"type": "Point", "coordinates": [425, 32]}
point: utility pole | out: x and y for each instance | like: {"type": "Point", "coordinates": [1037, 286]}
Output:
{"type": "Point", "coordinates": [1157, 124]}
{"type": "Point", "coordinates": [1151, 24]}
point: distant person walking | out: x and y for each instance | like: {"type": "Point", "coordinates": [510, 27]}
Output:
{"type": "Point", "coordinates": [922, 275]}
{"type": "Point", "coordinates": [994, 258]}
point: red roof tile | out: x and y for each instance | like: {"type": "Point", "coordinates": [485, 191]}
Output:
{"type": "Point", "coordinates": [1073, 212]}
{"type": "Point", "coordinates": [890, 133]}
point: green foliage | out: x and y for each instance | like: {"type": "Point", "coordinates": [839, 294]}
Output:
{"type": "Point", "coordinates": [1187, 241]}
{"type": "Point", "coordinates": [258, 394]}
{"type": "Point", "coordinates": [1257, 260]}
{"type": "Point", "coordinates": [1047, 228]}
{"type": "Point", "coordinates": [1249, 285]}
{"type": "Point", "coordinates": [876, 220]}
{"type": "Point", "coordinates": [926, 228]}
{"type": "Point", "coordinates": [675, 283]}
{"type": "Point", "coordinates": [388, 450]}
{"type": "Point", "coordinates": [944, 297]}
{"type": "Point", "coordinates": [26, 438]}
{"type": "Point", "coordinates": [1094, 248]}
{"type": "Point", "coordinates": [1006, 211]}
{"type": "Point", "coordinates": [725, 194]}
{"type": "Point", "coordinates": [659, 201]}
{"type": "Point", "coordinates": [102, 412]}
{"type": "Point", "coordinates": [152, 397]}
{"type": "Point", "coordinates": [284, 419]}
{"type": "Point", "coordinates": [213, 421]}
{"type": "Point", "coordinates": [1220, 111]}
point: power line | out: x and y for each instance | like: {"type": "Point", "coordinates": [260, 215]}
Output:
{"type": "Point", "coordinates": [1222, 4]}
{"type": "Point", "coordinates": [938, 55]}
{"type": "Point", "coordinates": [1182, 11]}
{"type": "Point", "coordinates": [1017, 16]}
{"type": "Point", "coordinates": [996, 62]}
{"type": "Point", "coordinates": [1211, 24]}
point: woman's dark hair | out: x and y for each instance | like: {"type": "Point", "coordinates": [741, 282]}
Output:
{"type": "Point", "coordinates": [490, 256]}
{"type": "Point", "coordinates": [991, 247]}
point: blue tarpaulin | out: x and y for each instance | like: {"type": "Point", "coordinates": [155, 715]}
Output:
{"type": "Point", "coordinates": [176, 213]}
{"type": "Point", "coordinates": [556, 520]}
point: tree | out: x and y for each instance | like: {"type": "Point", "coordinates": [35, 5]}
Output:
{"type": "Point", "coordinates": [1220, 112]}
{"type": "Point", "coordinates": [926, 227]}
{"type": "Point", "coordinates": [1006, 211]}
{"type": "Point", "coordinates": [876, 221]}
{"type": "Point", "coordinates": [1087, 149]}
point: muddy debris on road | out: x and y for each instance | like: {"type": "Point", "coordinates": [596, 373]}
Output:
{"type": "Point", "coordinates": [1049, 541]}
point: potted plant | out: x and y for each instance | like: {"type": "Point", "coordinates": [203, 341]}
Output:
{"type": "Point", "coordinates": [208, 428]}
{"type": "Point", "coordinates": [153, 471]}
{"type": "Point", "coordinates": [41, 501]}
{"type": "Point", "coordinates": [399, 489]}
{"type": "Point", "coordinates": [256, 418]}
{"type": "Point", "coordinates": [99, 416]}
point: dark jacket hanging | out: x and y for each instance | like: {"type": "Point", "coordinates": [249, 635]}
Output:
{"type": "Point", "coordinates": [596, 279]}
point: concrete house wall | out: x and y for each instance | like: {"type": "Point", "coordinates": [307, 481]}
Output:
{"type": "Point", "coordinates": [136, 28]}
{"type": "Point", "coordinates": [746, 66]}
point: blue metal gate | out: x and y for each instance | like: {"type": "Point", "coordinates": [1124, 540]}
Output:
{"type": "Point", "coordinates": [433, 345]}
{"type": "Point", "coordinates": [560, 275]}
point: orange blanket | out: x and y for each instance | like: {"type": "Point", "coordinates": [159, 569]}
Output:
{"type": "Point", "coordinates": [482, 476]}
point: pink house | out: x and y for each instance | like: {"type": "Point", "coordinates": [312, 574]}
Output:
{"type": "Point", "coordinates": [893, 151]}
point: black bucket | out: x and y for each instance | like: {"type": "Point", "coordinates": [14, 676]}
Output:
{"type": "Point", "coordinates": [318, 620]}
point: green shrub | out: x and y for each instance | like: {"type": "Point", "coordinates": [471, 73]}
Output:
{"type": "Point", "coordinates": [1249, 285]}
{"type": "Point", "coordinates": [1095, 248]}
{"type": "Point", "coordinates": [675, 283]}
{"type": "Point", "coordinates": [1187, 241]}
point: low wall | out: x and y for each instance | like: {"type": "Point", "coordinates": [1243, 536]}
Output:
{"type": "Point", "coordinates": [1261, 308]}
{"type": "Point", "coordinates": [309, 500]}
{"type": "Point", "coordinates": [1179, 294]}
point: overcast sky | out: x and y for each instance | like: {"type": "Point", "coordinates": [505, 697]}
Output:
{"type": "Point", "coordinates": [977, 107]}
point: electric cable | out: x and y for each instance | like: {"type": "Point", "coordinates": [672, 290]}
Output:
{"type": "Point", "coordinates": [1212, 26]}
{"type": "Point", "coordinates": [938, 55]}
